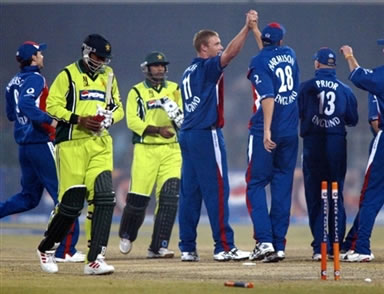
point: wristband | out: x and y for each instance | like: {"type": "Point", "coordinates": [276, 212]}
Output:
{"type": "Point", "coordinates": [348, 56]}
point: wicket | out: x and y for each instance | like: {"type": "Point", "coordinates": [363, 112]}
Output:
{"type": "Point", "coordinates": [336, 249]}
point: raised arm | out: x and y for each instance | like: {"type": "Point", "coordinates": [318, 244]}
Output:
{"type": "Point", "coordinates": [238, 41]}
{"type": "Point", "coordinates": [256, 32]}
{"type": "Point", "coordinates": [348, 55]}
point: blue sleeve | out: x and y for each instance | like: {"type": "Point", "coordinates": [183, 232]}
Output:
{"type": "Point", "coordinates": [368, 79]}
{"type": "Point", "coordinates": [301, 100]}
{"type": "Point", "coordinates": [351, 114]}
{"type": "Point", "coordinates": [10, 104]}
{"type": "Point", "coordinates": [261, 80]}
{"type": "Point", "coordinates": [373, 112]}
{"type": "Point", "coordinates": [28, 100]}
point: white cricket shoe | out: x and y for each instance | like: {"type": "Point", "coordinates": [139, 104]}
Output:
{"type": "Point", "coordinates": [316, 257]}
{"type": "Point", "coordinates": [98, 267]}
{"type": "Point", "coordinates": [233, 254]}
{"type": "Point", "coordinates": [357, 257]}
{"type": "Point", "coordinates": [274, 257]}
{"type": "Point", "coordinates": [125, 246]}
{"type": "Point", "coordinates": [261, 251]}
{"type": "Point", "coordinates": [190, 256]}
{"type": "Point", "coordinates": [163, 253]}
{"type": "Point", "coordinates": [47, 261]}
{"type": "Point", "coordinates": [222, 256]}
{"type": "Point", "coordinates": [77, 257]}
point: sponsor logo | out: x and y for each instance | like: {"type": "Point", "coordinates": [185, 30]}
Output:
{"type": "Point", "coordinates": [92, 95]}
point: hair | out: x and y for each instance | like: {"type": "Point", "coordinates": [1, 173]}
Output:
{"type": "Point", "coordinates": [267, 43]}
{"type": "Point", "coordinates": [202, 37]}
{"type": "Point", "coordinates": [23, 63]}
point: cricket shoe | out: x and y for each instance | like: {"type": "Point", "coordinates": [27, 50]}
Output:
{"type": "Point", "coordinates": [190, 256]}
{"type": "Point", "coordinates": [98, 267]}
{"type": "Point", "coordinates": [343, 255]}
{"type": "Point", "coordinates": [261, 251]}
{"type": "Point", "coordinates": [316, 257]}
{"type": "Point", "coordinates": [274, 257]}
{"type": "Point", "coordinates": [125, 246]}
{"type": "Point", "coordinates": [77, 257]}
{"type": "Point", "coordinates": [47, 261]}
{"type": "Point", "coordinates": [233, 254]}
{"type": "Point", "coordinates": [237, 254]}
{"type": "Point", "coordinates": [357, 257]}
{"type": "Point", "coordinates": [163, 253]}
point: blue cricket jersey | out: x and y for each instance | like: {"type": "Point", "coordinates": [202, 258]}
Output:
{"type": "Point", "coordinates": [202, 93]}
{"type": "Point", "coordinates": [373, 110]}
{"type": "Point", "coordinates": [25, 97]}
{"type": "Point", "coordinates": [370, 80]}
{"type": "Point", "coordinates": [326, 105]}
{"type": "Point", "coordinates": [274, 72]}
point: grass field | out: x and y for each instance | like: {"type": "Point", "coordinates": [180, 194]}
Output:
{"type": "Point", "coordinates": [20, 271]}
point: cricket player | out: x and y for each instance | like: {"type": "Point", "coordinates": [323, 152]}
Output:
{"type": "Point", "coordinates": [373, 118]}
{"type": "Point", "coordinates": [34, 132]}
{"type": "Point", "coordinates": [204, 170]}
{"type": "Point", "coordinates": [153, 114]}
{"type": "Point", "coordinates": [79, 101]}
{"type": "Point", "coordinates": [326, 107]}
{"type": "Point", "coordinates": [372, 192]}
{"type": "Point", "coordinates": [272, 142]}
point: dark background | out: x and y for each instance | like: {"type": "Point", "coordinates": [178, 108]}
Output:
{"type": "Point", "coordinates": [136, 29]}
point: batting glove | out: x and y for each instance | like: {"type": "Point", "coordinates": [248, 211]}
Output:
{"type": "Point", "coordinates": [173, 111]}
{"type": "Point", "coordinates": [107, 116]}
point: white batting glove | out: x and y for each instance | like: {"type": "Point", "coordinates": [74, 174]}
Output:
{"type": "Point", "coordinates": [107, 114]}
{"type": "Point", "coordinates": [173, 111]}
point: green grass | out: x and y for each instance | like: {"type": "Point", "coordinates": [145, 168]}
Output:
{"type": "Point", "coordinates": [20, 271]}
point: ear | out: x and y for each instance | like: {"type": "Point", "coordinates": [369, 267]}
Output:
{"type": "Point", "coordinates": [34, 59]}
{"type": "Point", "coordinates": [203, 48]}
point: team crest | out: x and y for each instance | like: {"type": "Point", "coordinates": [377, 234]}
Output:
{"type": "Point", "coordinates": [85, 81]}
{"type": "Point", "coordinates": [108, 47]}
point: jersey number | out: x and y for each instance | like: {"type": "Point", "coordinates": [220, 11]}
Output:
{"type": "Point", "coordinates": [326, 102]}
{"type": "Point", "coordinates": [285, 76]}
{"type": "Point", "coordinates": [187, 87]}
{"type": "Point", "coordinates": [21, 119]}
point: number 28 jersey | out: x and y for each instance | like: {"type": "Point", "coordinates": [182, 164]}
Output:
{"type": "Point", "coordinates": [275, 73]}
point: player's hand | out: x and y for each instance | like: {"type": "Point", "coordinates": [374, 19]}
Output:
{"type": "Point", "coordinates": [91, 123]}
{"type": "Point", "coordinates": [166, 132]}
{"type": "Point", "coordinates": [346, 50]}
{"type": "Point", "coordinates": [269, 145]}
{"type": "Point", "coordinates": [252, 19]}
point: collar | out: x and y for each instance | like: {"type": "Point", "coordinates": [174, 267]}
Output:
{"type": "Point", "coordinates": [84, 69]}
{"type": "Point", "coordinates": [149, 84]}
{"type": "Point", "coordinates": [325, 72]}
{"type": "Point", "coordinates": [30, 68]}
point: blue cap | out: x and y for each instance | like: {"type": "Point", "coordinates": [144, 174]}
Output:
{"type": "Point", "coordinates": [29, 48]}
{"type": "Point", "coordinates": [273, 33]}
{"type": "Point", "coordinates": [326, 56]}
{"type": "Point", "coordinates": [380, 42]}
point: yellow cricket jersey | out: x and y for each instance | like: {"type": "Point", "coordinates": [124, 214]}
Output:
{"type": "Point", "coordinates": [143, 109]}
{"type": "Point", "coordinates": [75, 93]}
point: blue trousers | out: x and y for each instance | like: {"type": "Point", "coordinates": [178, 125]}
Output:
{"type": "Point", "coordinates": [204, 177]}
{"type": "Point", "coordinates": [275, 168]}
{"type": "Point", "coordinates": [371, 200]}
{"type": "Point", "coordinates": [38, 171]}
{"type": "Point", "coordinates": [324, 159]}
